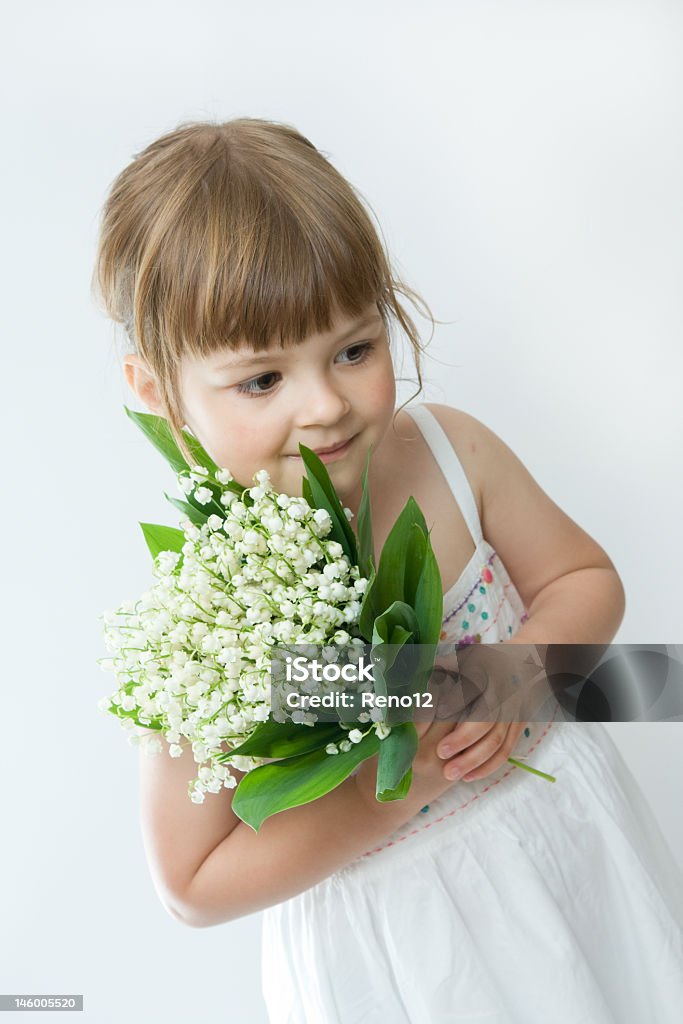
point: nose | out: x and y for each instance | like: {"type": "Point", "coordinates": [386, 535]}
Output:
{"type": "Point", "coordinates": [322, 404]}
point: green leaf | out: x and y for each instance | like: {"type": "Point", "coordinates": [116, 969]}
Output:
{"type": "Point", "coordinates": [366, 546]}
{"type": "Point", "coordinates": [394, 627]}
{"type": "Point", "coordinates": [395, 633]}
{"type": "Point", "coordinates": [158, 431]}
{"type": "Point", "coordinates": [306, 492]}
{"type": "Point", "coordinates": [414, 562]}
{"type": "Point", "coordinates": [407, 572]}
{"type": "Point", "coordinates": [325, 496]}
{"type": "Point", "coordinates": [285, 739]}
{"type": "Point", "coordinates": [429, 599]}
{"type": "Point", "coordinates": [369, 609]}
{"type": "Point", "coordinates": [162, 538]}
{"type": "Point", "coordinates": [156, 723]}
{"type": "Point", "coordinates": [390, 584]}
{"type": "Point", "coordinates": [400, 791]}
{"type": "Point", "coordinates": [194, 514]}
{"type": "Point", "coordinates": [396, 753]}
{"type": "Point", "coordinates": [298, 780]}
{"type": "Point", "coordinates": [398, 620]}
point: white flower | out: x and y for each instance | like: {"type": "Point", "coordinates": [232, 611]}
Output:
{"type": "Point", "coordinates": [242, 764]}
{"type": "Point", "coordinates": [185, 484]}
{"type": "Point", "coordinates": [331, 748]}
{"type": "Point", "coordinates": [192, 654]}
{"type": "Point", "coordinates": [203, 495]}
{"type": "Point", "coordinates": [258, 492]}
{"type": "Point", "coordinates": [322, 519]}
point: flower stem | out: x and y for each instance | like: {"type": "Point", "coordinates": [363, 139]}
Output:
{"type": "Point", "coordinates": [535, 771]}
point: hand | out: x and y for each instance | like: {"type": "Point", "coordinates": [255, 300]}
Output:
{"type": "Point", "coordinates": [428, 781]}
{"type": "Point", "coordinates": [481, 748]}
{"type": "Point", "coordinates": [494, 691]}
{"type": "Point", "coordinates": [428, 769]}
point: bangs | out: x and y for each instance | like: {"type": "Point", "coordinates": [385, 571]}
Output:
{"type": "Point", "coordinates": [217, 236]}
{"type": "Point", "coordinates": [266, 257]}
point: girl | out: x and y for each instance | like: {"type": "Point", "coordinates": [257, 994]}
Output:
{"type": "Point", "coordinates": [258, 300]}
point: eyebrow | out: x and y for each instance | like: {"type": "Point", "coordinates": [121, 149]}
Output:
{"type": "Point", "coordinates": [267, 357]}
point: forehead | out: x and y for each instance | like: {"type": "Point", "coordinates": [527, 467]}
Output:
{"type": "Point", "coordinates": [245, 354]}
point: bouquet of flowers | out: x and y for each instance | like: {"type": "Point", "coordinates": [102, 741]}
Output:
{"type": "Point", "coordinates": [250, 573]}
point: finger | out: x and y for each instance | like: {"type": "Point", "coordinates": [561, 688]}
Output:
{"type": "Point", "coordinates": [463, 736]}
{"type": "Point", "coordinates": [478, 754]}
{"type": "Point", "coordinates": [498, 759]}
{"type": "Point", "coordinates": [468, 732]}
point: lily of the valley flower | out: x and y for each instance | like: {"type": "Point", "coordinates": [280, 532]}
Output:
{"type": "Point", "coordinates": [193, 653]}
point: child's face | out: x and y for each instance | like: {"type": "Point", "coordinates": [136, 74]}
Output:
{"type": "Point", "coordinates": [331, 388]}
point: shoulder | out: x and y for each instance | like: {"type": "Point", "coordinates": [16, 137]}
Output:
{"type": "Point", "coordinates": [536, 540]}
{"type": "Point", "coordinates": [470, 438]}
{"type": "Point", "coordinates": [490, 464]}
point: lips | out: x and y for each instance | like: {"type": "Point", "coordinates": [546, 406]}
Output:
{"type": "Point", "coordinates": [339, 446]}
{"type": "Point", "coordinates": [332, 448]}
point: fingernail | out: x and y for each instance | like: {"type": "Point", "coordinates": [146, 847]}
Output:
{"type": "Point", "coordinates": [445, 751]}
{"type": "Point", "coordinates": [453, 773]}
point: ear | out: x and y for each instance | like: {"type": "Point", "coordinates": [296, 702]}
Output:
{"type": "Point", "coordinates": [142, 381]}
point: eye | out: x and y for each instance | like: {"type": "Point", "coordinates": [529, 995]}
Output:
{"type": "Point", "coordinates": [359, 353]}
{"type": "Point", "coordinates": [362, 349]}
{"type": "Point", "coordinates": [250, 387]}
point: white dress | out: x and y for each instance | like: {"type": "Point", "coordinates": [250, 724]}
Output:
{"type": "Point", "coordinates": [508, 900]}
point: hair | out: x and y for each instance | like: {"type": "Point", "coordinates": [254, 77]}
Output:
{"type": "Point", "coordinates": [221, 233]}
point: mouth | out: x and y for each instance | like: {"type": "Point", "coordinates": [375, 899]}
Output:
{"type": "Point", "coordinates": [331, 454]}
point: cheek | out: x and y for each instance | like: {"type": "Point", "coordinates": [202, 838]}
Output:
{"type": "Point", "coordinates": [382, 390]}
{"type": "Point", "coordinates": [264, 431]}
{"type": "Point", "coordinates": [255, 442]}
{"type": "Point", "coordinates": [230, 440]}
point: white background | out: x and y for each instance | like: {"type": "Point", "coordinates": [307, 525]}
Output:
{"type": "Point", "coordinates": [525, 163]}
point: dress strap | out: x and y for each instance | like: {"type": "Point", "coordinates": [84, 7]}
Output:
{"type": "Point", "coordinates": [450, 466]}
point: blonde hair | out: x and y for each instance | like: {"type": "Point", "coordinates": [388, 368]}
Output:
{"type": "Point", "coordinates": [217, 233]}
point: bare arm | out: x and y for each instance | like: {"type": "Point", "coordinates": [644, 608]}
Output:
{"type": "Point", "coordinates": [295, 849]}
{"type": "Point", "coordinates": [209, 867]}
{"type": "Point", "coordinates": [178, 834]}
